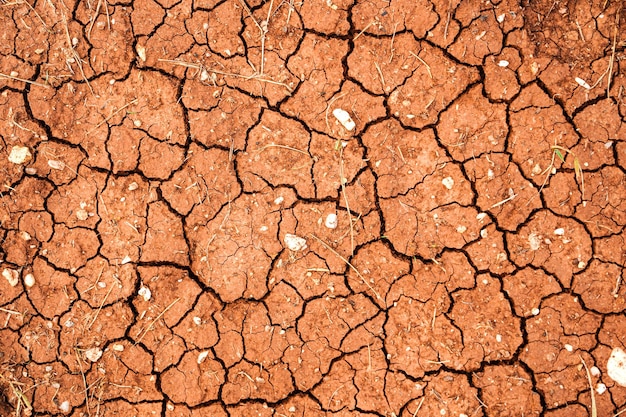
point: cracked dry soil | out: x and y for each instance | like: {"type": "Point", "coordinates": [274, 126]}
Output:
{"type": "Point", "coordinates": [157, 155]}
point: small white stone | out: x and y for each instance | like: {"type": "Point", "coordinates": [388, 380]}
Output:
{"type": "Point", "coordinates": [20, 155]}
{"type": "Point", "coordinates": [535, 311]}
{"type": "Point", "coordinates": [461, 229]}
{"type": "Point", "coordinates": [581, 265]}
{"type": "Point", "coordinates": [58, 165]}
{"type": "Point", "coordinates": [559, 232]}
{"type": "Point", "coordinates": [141, 51]}
{"type": "Point", "coordinates": [500, 19]}
{"type": "Point", "coordinates": [81, 214]}
{"type": "Point", "coordinates": [503, 63]}
{"type": "Point", "coordinates": [568, 347]}
{"type": "Point", "coordinates": [118, 348]}
{"type": "Point", "coordinates": [137, 123]}
{"type": "Point", "coordinates": [582, 83]}
{"type": "Point", "coordinates": [344, 118]}
{"type": "Point", "coordinates": [499, 338]}
{"type": "Point", "coordinates": [295, 243]}
{"type": "Point", "coordinates": [64, 406]}
{"type": "Point", "coordinates": [11, 275]}
{"type": "Point", "coordinates": [595, 371]}
{"type": "Point", "coordinates": [279, 200]}
{"type": "Point", "coordinates": [292, 409]}
{"type": "Point", "coordinates": [534, 241]}
{"type": "Point", "coordinates": [616, 366]}
{"type": "Point", "coordinates": [145, 293]}
{"type": "Point", "coordinates": [600, 388]}
{"type": "Point", "coordinates": [481, 216]}
{"type": "Point", "coordinates": [133, 186]}
{"type": "Point", "coordinates": [484, 234]}
{"type": "Point", "coordinates": [202, 356]}
{"type": "Point", "coordinates": [93, 354]}
{"type": "Point", "coordinates": [331, 221]}
{"type": "Point", "coordinates": [448, 182]}
{"type": "Point", "coordinates": [197, 320]}
{"type": "Point", "coordinates": [126, 260]}
{"type": "Point", "coordinates": [29, 280]}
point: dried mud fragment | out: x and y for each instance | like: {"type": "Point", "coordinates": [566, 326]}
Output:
{"type": "Point", "coordinates": [378, 269]}
{"type": "Point", "coordinates": [558, 336]}
{"type": "Point", "coordinates": [12, 350]}
{"type": "Point", "coordinates": [18, 247]}
{"type": "Point", "coordinates": [195, 380]}
{"type": "Point", "coordinates": [489, 334]}
{"type": "Point", "coordinates": [146, 16]}
{"type": "Point", "coordinates": [247, 381]}
{"type": "Point", "coordinates": [123, 146]}
{"type": "Point", "coordinates": [488, 253]}
{"type": "Point", "coordinates": [481, 37]}
{"type": "Point", "coordinates": [600, 287]}
{"type": "Point", "coordinates": [165, 239]}
{"type": "Point", "coordinates": [219, 28]}
{"type": "Point", "coordinates": [388, 17]}
{"type": "Point", "coordinates": [127, 367]}
{"type": "Point", "coordinates": [53, 292]}
{"type": "Point", "coordinates": [337, 390]}
{"type": "Point", "coordinates": [233, 252]}
{"type": "Point", "coordinates": [318, 66]}
{"type": "Point", "coordinates": [41, 338]}
{"type": "Point", "coordinates": [58, 162]}
{"type": "Point", "coordinates": [76, 203]}
{"type": "Point", "coordinates": [181, 410]}
{"type": "Point", "coordinates": [277, 153]}
{"type": "Point", "coordinates": [501, 189]}
{"type": "Point", "coordinates": [220, 116]}
{"type": "Point", "coordinates": [284, 305]}
{"type": "Point", "coordinates": [432, 216]}
{"type": "Point", "coordinates": [561, 246]}
{"type": "Point", "coordinates": [332, 165]}
{"type": "Point", "coordinates": [379, 74]}
{"type": "Point", "coordinates": [527, 287]}
{"type": "Point", "coordinates": [418, 102]}
{"type": "Point", "coordinates": [413, 344]}
{"type": "Point", "coordinates": [401, 158]}
{"type": "Point", "coordinates": [69, 249]}
{"type": "Point", "coordinates": [562, 194]}
{"type": "Point", "coordinates": [329, 17]}
{"type": "Point", "coordinates": [198, 328]}
{"type": "Point", "coordinates": [473, 126]}
{"type": "Point", "coordinates": [124, 211]}
{"type": "Point", "coordinates": [605, 214]}
{"type": "Point", "coordinates": [57, 388]}
{"type": "Point", "coordinates": [537, 124]}
{"type": "Point", "coordinates": [158, 160]}
{"type": "Point", "coordinates": [508, 391]}
{"type": "Point", "coordinates": [83, 327]}
{"type": "Point", "coordinates": [501, 83]}
{"type": "Point", "coordinates": [124, 408]}
{"type": "Point", "coordinates": [455, 396]}
{"type": "Point", "coordinates": [204, 184]}
{"type": "Point", "coordinates": [101, 282]}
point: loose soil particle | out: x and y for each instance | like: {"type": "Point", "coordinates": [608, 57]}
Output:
{"type": "Point", "coordinates": [305, 209]}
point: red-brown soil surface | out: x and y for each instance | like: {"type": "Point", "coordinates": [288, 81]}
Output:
{"type": "Point", "coordinates": [169, 170]}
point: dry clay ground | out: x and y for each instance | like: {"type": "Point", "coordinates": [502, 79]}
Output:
{"type": "Point", "coordinates": [162, 161]}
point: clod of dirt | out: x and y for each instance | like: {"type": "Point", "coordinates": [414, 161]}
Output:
{"type": "Point", "coordinates": [616, 366]}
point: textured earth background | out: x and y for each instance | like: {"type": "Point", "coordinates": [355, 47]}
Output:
{"type": "Point", "coordinates": [170, 173]}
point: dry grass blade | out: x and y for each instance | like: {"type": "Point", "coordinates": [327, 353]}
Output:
{"type": "Point", "coordinates": [156, 319]}
{"type": "Point", "coordinates": [11, 77]}
{"type": "Point", "coordinates": [594, 410]}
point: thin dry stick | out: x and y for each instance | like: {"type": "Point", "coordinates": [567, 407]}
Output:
{"type": "Point", "coordinates": [24, 80]}
{"type": "Point", "coordinates": [349, 264]}
{"type": "Point", "coordinates": [274, 145]}
{"type": "Point", "coordinates": [430, 74]}
{"type": "Point", "coordinates": [157, 318]}
{"type": "Point", "coordinates": [594, 410]}
{"type": "Point", "coordinates": [77, 58]}
{"type": "Point", "coordinates": [100, 308]}
{"type": "Point", "coordinates": [345, 198]}
{"type": "Point", "coordinates": [419, 406]}
{"type": "Point", "coordinates": [113, 114]}
{"type": "Point", "coordinates": [612, 59]}
{"type": "Point", "coordinates": [82, 373]}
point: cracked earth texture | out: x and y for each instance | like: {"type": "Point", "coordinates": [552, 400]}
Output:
{"type": "Point", "coordinates": [159, 155]}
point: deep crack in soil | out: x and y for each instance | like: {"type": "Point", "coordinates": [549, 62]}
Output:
{"type": "Point", "coordinates": [312, 208]}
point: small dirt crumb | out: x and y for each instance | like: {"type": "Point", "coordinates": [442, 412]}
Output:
{"type": "Point", "coordinates": [20, 155]}
{"type": "Point", "coordinates": [11, 275]}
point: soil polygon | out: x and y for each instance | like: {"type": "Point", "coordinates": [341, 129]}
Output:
{"type": "Point", "coordinates": [312, 208]}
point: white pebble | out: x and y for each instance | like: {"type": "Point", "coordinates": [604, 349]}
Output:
{"type": "Point", "coordinates": [535, 311]}
{"type": "Point", "coordinates": [141, 51]}
{"type": "Point", "coordinates": [559, 232]}
{"type": "Point", "coordinates": [295, 243]}
{"type": "Point", "coordinates": [20, 155]}
{"type": "Point", "coordinates": [344, 118]}
{"type": "Point", "coordinates": [616, 366]}
{"type": "Point", "coordinates": [600, 388]}
{"type": "Point", "coordinates": [81, 214]}
{"type": "Point", "coordinates": [202, 356]}
{"type": "Point", "coordinates": [582, 83]}
{"type": "Point", "coordinates": [93, 354]}
{"type": "Point", "coordinates": [279, 200]}
{"type": "Point", "coordinates": [11, 276]}
{"type": "Point", "coordinates": [498, 338]}
{"type": "Point", "coordinates": [461, 229]}
{"type": "Point", "coordinates": [64, 406]}
{"type": "Point", "coordinates": [118, 348]}
{"type": "Point", "coordinates": [595, 371]}
{"type": "Point", "coordinates": [29, 280]}
{"type": "Point", "coordinates": [481, 216]}
{"type": "Point", "coordinates": [126, 260]}
{"type": "Point", "coordinates": [331, 221]}
{"type": "Point", "coordinates": [58, 165]}
{"type": "Point", "coordinates": [133, 186]}
{"type": "Point", "coordinates": [448, 182]}
{"type": "Point", "coordinates": [503, 63]}
{"type": "Point", "coordinates": [145, 293]}
{"type": "Point", "coordinates": [568, 347]}
{"type": "Point", "coordinates": [197, 320]}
